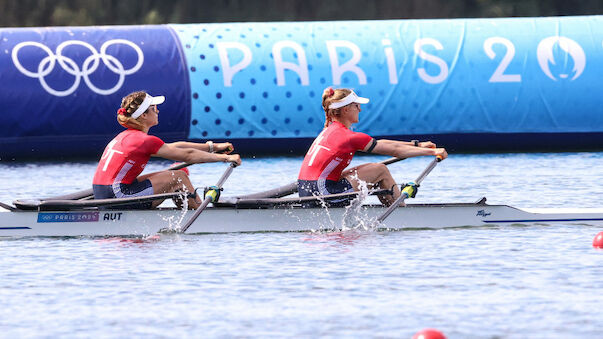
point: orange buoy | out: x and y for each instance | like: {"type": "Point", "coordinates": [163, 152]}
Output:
{"type": "Point", "coordinates": [598, 240]}
{"type": "Point", "coordinates": [429, 333]}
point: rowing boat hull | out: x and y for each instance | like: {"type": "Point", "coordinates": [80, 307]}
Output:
{"type": "Point", "coordinates": [225, 220]}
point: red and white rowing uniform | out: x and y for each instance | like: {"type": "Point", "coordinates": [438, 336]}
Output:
{"type": "Point", "coordinates": [330, 153]}
{"type": "Point", "coordinates": [122, 161]}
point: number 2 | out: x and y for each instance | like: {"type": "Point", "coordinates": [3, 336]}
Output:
{"type": "Point", "coordinates": [498, 75]}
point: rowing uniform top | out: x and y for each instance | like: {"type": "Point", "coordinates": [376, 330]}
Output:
{"type": "Point", "coordinates": [331, 152]}
{"type": "Point", "coordinates": [125, 157]}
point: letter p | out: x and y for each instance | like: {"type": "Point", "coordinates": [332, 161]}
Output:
{"type": "Point", "coordinates": [230, 70]}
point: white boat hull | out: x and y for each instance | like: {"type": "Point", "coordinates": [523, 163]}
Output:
{"type": "Point", "coordinates": [225, 220]}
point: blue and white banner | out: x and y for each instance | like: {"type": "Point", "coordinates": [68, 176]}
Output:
{"type": "Point", "coordinates": [260, 82]}
{"type": "Point", "coordinates": [265, 80]}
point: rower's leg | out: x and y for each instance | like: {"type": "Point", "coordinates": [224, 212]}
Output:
{"type": "Point", "coordinates": [171, 181]}
{"type": "Point", "coordinates": [377, 175]}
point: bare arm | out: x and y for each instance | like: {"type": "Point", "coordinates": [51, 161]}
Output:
{"type": "Point", "coordinates": [193, 155]}
{"type": "Point", "coordinates": [401, 149]}
{"type": "Point", "coordinates": [222, 147]}
{"type": "Point", "coordinates": [425, 144]}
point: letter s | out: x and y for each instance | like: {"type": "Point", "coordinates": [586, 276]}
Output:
{"type": "Point", "coordinates": [431, 58]}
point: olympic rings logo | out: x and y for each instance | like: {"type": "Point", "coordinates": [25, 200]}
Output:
{"type": "Point", "coordinates": [89, 65]}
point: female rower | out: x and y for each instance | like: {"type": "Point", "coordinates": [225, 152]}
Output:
{"type": "Point", "coordinates": [322, 171]}
{"type": "Point", "coordinates": [124, 158]}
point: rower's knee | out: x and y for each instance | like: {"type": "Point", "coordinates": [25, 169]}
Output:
{"type": "Point", "coordinates": [372, 168]}
{"type": "Point", "coordinates": [179, 179]}
{"type": "Point", "coordinates": [380, 171]}
{"type": "Point", "coordinates": [178, 175]}
{"type": "Point", "coordinates": [168, 181]}
{"type": "Point", "coordinates": [381, 168]}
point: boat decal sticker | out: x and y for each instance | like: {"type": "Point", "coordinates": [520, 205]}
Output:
{"type": "Point", "coordinates": [68, 217]}
{"type": "Point", "coordinates": [113, 216]}
{"type": "Point", "coordinates": [483, 213]}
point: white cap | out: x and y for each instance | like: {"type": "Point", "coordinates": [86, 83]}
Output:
{"type": "Point", "coordinates": [146, 103]}
{"type": "Point", "coordinates": [352, 97]}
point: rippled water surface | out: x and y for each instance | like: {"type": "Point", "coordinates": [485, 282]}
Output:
{"type": "Point", "coordinates": [496, 282]}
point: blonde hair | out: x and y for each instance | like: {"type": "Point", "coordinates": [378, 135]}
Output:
{"type": "Point", "coordinates": [130, 104]}
{"type": "Point", "coordinates": [329, 96]}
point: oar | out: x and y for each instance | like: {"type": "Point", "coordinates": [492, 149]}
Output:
{"type": "Point", "coordinates": [291, 188]}
{"type": "Point", "coordinates": [404, 194]}
{"type": "Point", "coordinates": [391, 161]}
{"type": "Point", "coordinates": [178, 166]}
{"type": "Point", "coordinates": [237, 202]}
{"type": "Point", "coordinates": [67, 204]}
{"type": "Point", "coordinates": [208, 198]}
{"type": "Point", "coordinates": [87, 193]}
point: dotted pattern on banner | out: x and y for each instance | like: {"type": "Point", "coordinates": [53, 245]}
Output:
{"type": "Point", "coordinates": [448, 91]}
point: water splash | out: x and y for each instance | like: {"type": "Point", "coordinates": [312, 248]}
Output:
{"type": "Point", "coordinates": [355, 216]}
{"type": "Point", "coordinates": [175, 222]}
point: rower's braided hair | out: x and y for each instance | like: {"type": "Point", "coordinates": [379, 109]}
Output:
{"type": "Point", "coordinates": [130, 104]}
{"type": "Point", "coordinates": [330, 96]}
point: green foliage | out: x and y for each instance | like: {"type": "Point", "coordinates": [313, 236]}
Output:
{"type": "Point", "coordinates": [20, 13]}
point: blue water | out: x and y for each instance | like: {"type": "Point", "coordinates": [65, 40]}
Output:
{"type": "Point", "coordinates": [490, 282]}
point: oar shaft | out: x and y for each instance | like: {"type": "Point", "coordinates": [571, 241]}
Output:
{"type": "Point", "coordinates": [391, 160]}
{"type": "Point", "coordinates": [427, 170]}
{"type": "Point", "coordinates": [178, 166]}
{"type": "Point", "coordinates": [207, 199]}
{"type": "Point", "coordinates": [225, 175]}
{"type": "Point", "coordinates": [404, 195]}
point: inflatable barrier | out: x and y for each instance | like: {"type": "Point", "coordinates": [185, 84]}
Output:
{"type": "Point", "coordinates": [468, 84]}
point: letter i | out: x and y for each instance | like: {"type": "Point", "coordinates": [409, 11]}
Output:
{"type": "Point", "coordinates": [391, 63]}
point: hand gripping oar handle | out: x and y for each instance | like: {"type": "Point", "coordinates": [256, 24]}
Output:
{"type": "Point", "coordinates": [208, 198]}
{"type": "Point", "coordinates": [405, 195]}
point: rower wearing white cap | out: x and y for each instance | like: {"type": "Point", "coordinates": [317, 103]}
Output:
{"type": "Point", "coordinates": [322, 171]}
{"type": "Point", "coordinates": [124, 158]}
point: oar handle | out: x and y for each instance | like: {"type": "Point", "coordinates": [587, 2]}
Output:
{"type": "Point", "coordinates": [403, 196]}
{"type": "Point", "coordinates": [208, 199]}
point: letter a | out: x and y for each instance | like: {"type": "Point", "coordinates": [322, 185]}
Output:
{"type": "Point", "coordinates": [280, 65]}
